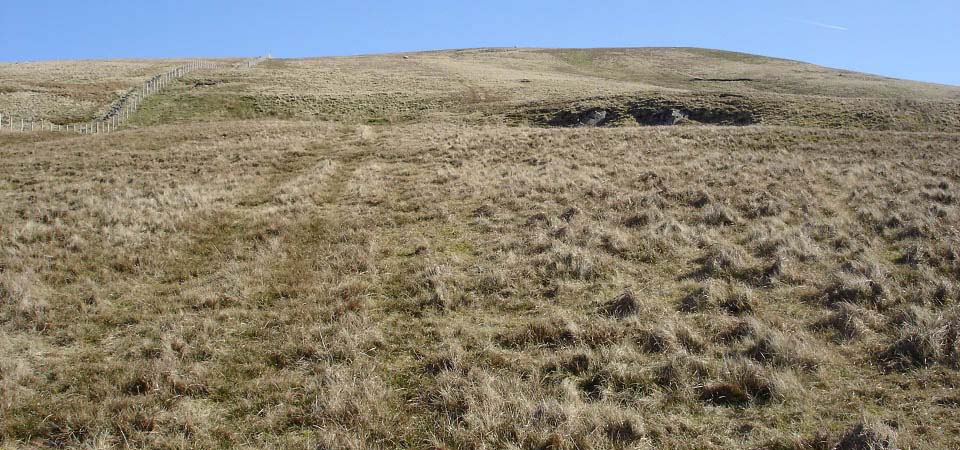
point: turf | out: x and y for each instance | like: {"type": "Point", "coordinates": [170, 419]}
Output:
{"type": "Point", "coordinates": [423, 252]}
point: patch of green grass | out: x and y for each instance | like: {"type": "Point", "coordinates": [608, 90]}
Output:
{"type": "Point", "coordinates": [578, 57]}
{"type": "Point", "coordinates": [180, 106]}
{"type": "Point", "coordinates": [728, 55]}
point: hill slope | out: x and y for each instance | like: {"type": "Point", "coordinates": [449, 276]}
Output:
{"type": "Point", "coordinates": [424, 252]}
{"type": "Point", "coordinates": [517, 86]}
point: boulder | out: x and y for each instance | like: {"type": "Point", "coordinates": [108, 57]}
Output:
{"type": "Point", "coordinates": [670, 116]}
{"type": "Point", "coordinates": [593, 117]}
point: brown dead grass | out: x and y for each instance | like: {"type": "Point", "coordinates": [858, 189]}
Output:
{"type": "Point", "coordinates": [449, 284]}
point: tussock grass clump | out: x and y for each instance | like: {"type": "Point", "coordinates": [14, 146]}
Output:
{"type": "Point", "coordinates": [22, 299]}
{"type": "Point", "coordinates": [726, 260]}
{"type": "Point", "coordinates": [573, 362]}
{"type": "Point", "coordinates": [437, 287]}
{"type": "Point", "coordinates": [493, 281]}
{"type": "Point", "coordinates": [769, 344]}
{"type": "Point", "coordinates": [680, 372]}
{"type": "Point", "coordinates": [484, 212]}
{"type": "Point", "coordinates": [743, 382]}
{"type": "Point", "coordinates": [932, 289]}
{"type": "Point", "coordinates": [617, 243]}
{"type": "Point", "coordinates": [732, 297]}
{"type": "Point", "coordinates": [763, 205]}
{"type": "Point", "coordinates": [781, 348]}
{"type": "Point", "coordinates": [849, 321]}
{"type": "Point", "coordinates": [623, 305]}
{"type": "Point", "coordinates": [925, 339]}
{"type": "Point", "coordinates": [942, 196]}
{"type": "Point", "coordinates": [449, 358]}
{"type": "Point", "coordinates": [866, 263]}
{"type": "Point", "coordinates": [718, 214]}
{"type": "Point", "coordinates": [738, 299]}
{"type": "Point", "coordinates": [537, 220]}
{"type": "Point", "coordinates": [567, 262]}
{"type": "Point", "coordinates": [662, 240]}
{"type": "Point", "coordinates": [673, 230]}
{"type": "Point", "coordinates": [644, 218]}
{"type": "Point", "coordinates": [859, 290]}
{"type": "Point", "coordinates": [943, 292]}
{"type": "Point", "coordinates": [569, 214]}
{"type": "Point", "coordinates": [549, 332]}
{"type": "Point", "coordinates": [482, 409]}
{"type": "Point", "coordinates": [339, 404]}
{"type": "Point", "coordinates": [670, 337]}
{"type": "Point", "coordinates": [727, 330]}
{"type": "Point", "coordinates": [868, 435]}
{"type": "Point", "coordinates": [782, 271]}
{"type": "Point", "coordinates": [776, 239]}
{"type": "Point", "coordinates": [915, 254]}
{"type": "Point", "coordinates": [697, 198]}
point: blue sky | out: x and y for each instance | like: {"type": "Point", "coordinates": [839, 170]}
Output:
{"type": "Point", "coordinates": [905, 39]}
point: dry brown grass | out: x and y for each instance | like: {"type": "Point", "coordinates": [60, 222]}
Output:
{"type": "Point", "coordinates": [447, 284]}
{"type": "Point", "coordinates": [72, 91]}
{"type": "Point", "coordinates": [505, 86]}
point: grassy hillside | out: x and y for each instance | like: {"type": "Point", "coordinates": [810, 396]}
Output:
{"type": "Point", "coordinates": [72, 91]}
{"type": "Point", "coordinates": [520, 87]}
{"type": "Point", "coordinates": [424, 252]}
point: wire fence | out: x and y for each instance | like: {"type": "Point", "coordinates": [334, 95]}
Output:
{"type": "Point", "coordinates": [121, 110]}
{"type": "Point", "coordinates": [252, 62]}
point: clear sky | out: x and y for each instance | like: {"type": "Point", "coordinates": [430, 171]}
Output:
{"type": "Point", "coordinates": [915, 39]}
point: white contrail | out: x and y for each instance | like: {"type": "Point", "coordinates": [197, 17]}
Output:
{"type": "Point", "coordinates": [821, 25]}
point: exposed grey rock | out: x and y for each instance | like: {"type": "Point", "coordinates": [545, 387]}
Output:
{"type": "Point", "coordinates": [675, 117]}
{"type": "Point", "coordinates": [670, 116]}
{"type": "Point", "coordinates": [593, 117]}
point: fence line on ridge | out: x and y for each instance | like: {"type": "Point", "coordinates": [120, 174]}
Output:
{"type": "Point", "coordinates": [121, 110]}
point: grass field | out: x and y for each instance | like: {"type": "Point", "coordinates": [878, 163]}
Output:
{"type": "Point", "coordinates": [419, 252]}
